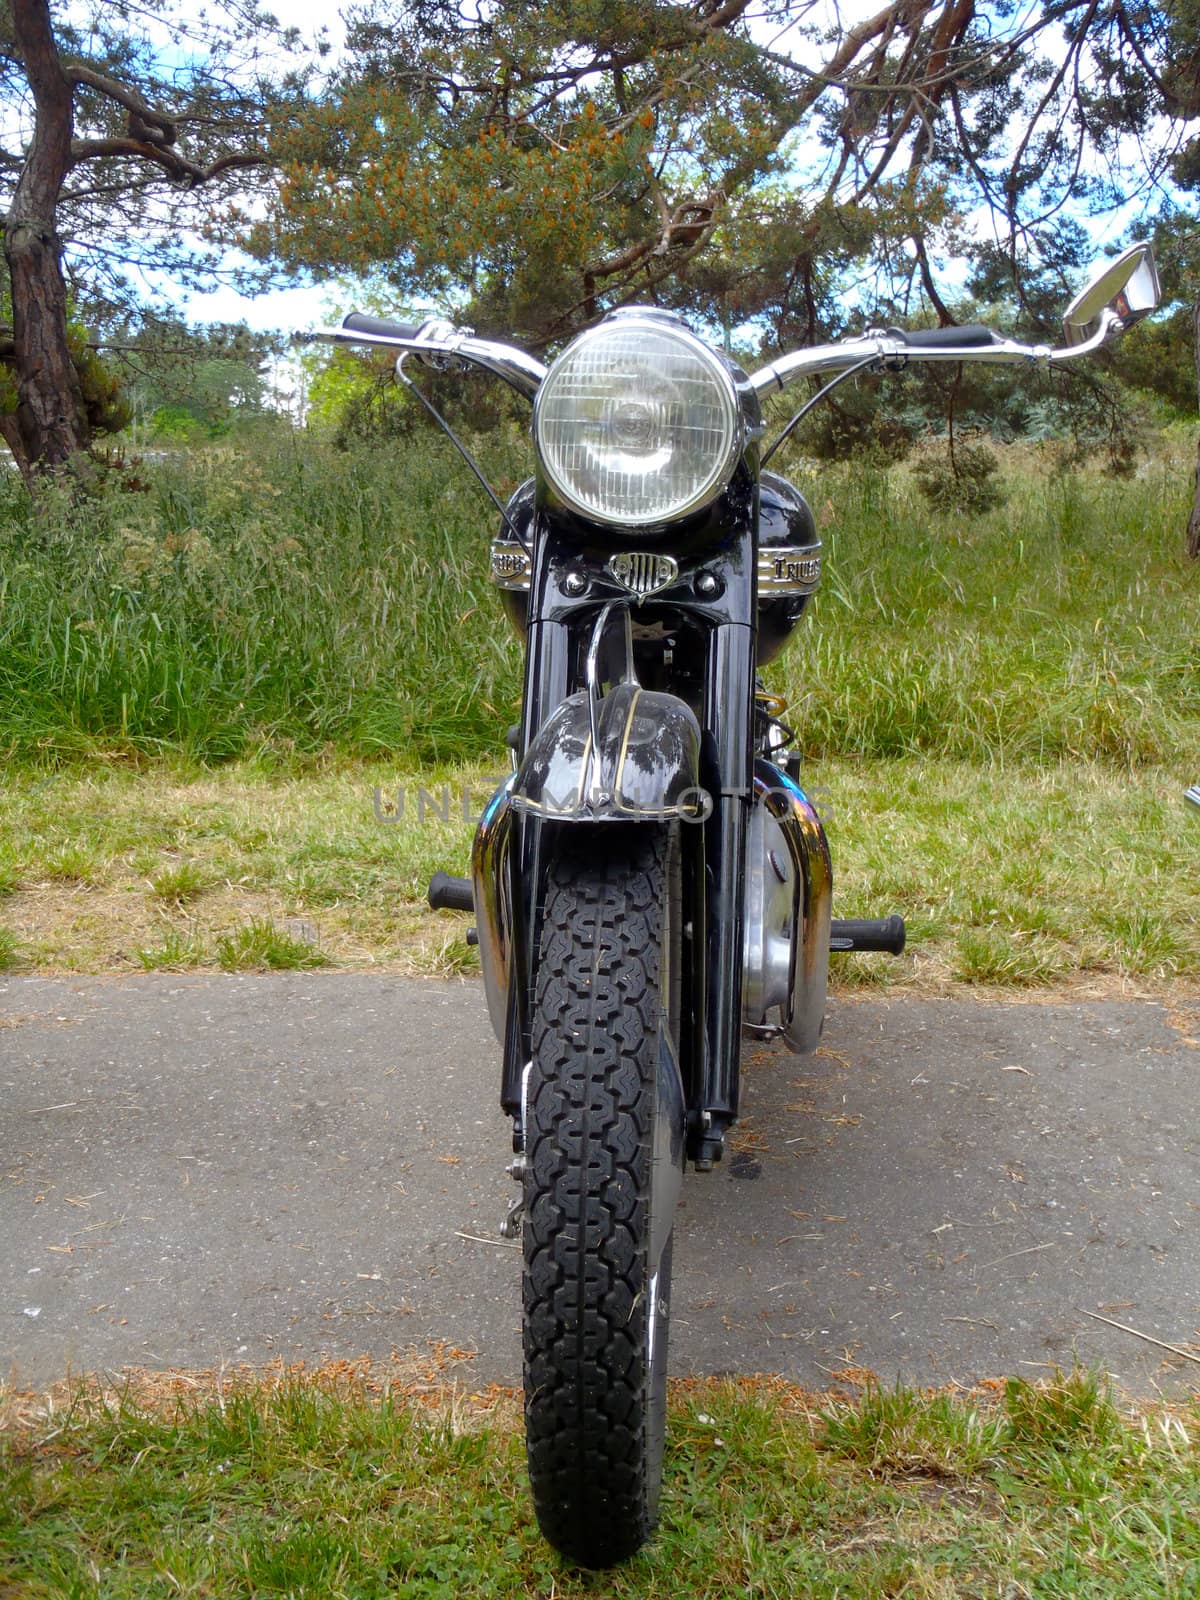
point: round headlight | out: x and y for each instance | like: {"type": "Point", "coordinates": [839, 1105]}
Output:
{"type": "Point", "coordinates": [637, 422]}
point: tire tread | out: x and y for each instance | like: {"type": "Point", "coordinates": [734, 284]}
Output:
{"type": "Point", "coordinates": [589, 1144]}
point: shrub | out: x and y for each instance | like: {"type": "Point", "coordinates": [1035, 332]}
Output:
{"type": "Point", "coordinates": [960, 480]}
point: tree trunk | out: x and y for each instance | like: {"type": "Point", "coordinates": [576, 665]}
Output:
{"type": "Point", "coordinates": [11, 435]}
{"type": "Point", "coordinates": [50, 416]}
{"type": "Point", "coordinates": [1193, 528]}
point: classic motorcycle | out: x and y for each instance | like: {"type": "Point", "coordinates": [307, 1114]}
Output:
{"type": "Point", "coordinates": [652, 881]}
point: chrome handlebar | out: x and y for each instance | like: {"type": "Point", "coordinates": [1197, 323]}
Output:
{"type": "Point", "coordinates": [447, 347]}
{"type": "Point", "coordinates": [887, 350]}
{"type": "Point", "coordinates": [444, 346]}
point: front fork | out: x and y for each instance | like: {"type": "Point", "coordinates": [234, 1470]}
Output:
{"type": "Point", "coordinates": [714, 875]}
{"type": "Point", "coordinates": [727, 769]}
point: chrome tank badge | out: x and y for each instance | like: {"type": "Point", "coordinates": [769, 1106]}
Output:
{"type": "Point", "coordinates": [788, 569]}
{"type": "Point", "coordinates": [643, 574]}
{"type": "Point", "coordinates": [511, 565]}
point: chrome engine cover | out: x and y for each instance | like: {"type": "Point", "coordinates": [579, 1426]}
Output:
{"type": "Point", "coordinates": [771, 902]}
{"type": "Point", "coordinates": [789, 885]}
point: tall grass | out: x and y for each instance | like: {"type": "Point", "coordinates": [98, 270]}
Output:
{"type": "Point", "coordinates": [291, 598]}
{"type": "Point", "coordinates": [287, 596]}
{"type": "Point", "coordinates": [1062, 624]}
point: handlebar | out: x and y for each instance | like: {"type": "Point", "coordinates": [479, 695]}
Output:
{"type": "Point", "coordinates": [893, 347]}
{"type": "Point", "coordinates": [441, 344]}
{"type": "Point", "coordinates": [970, 334]}
{"type": "Point", "coordinates": [361, 322]}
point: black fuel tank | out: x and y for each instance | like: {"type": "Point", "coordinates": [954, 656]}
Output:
{"type": "Point", "coordinates": [789, 562]}
{"type": "Point", "coordinates": [510, 561]}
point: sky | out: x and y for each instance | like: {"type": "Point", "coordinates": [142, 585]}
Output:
{"type": "Point", "coordinates": [304, 306]}
{"type": "Point", "coordinates": [293, 310]}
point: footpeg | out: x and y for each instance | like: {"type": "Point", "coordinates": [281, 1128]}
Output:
{"type": "Point", "coordinates": [885, 934]}
{"type": "Point", "coordinates": [447, 893]}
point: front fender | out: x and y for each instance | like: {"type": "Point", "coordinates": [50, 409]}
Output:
{"type": "Point", "coordinates": [643, 766]}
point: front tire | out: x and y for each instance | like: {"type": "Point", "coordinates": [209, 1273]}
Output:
{"type": "Point", "coordinates": [597, 1308]}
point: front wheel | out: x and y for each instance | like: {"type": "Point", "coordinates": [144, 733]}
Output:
{"type": "Point", "coordinates": [603, 1141]}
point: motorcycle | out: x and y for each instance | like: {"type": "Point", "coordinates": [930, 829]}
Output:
{"type": "Point", "coordinates": [652, 881]}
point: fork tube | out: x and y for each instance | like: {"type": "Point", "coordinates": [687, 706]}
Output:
{"type": "Point", "coordinates": [729, 699]}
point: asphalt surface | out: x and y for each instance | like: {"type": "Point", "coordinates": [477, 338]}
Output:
{"type": "Point", "coordinates": [196, 1170]}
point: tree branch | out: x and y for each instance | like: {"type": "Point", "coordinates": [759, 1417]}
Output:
{"type": "Point", "coordinates": [172, 163]}
{"type": "Point", "coordinates": [80, 73]}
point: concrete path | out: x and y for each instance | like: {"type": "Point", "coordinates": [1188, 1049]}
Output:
{"type": "Point", "coordinates": [206, 1169]}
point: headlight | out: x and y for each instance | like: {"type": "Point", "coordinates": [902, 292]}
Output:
{"type": "Point", "coordinates": [637, 422]}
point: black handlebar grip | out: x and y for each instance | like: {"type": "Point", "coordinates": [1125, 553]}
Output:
{"type": "Point", "coordinates": [970, 334]}
{"type": "Point", "coordinates": [448, 893]}
{"type": "Point", "coordinates": [362, 322]}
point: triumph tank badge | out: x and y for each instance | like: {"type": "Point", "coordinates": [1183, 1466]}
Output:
{"type": "Point", "coordinates": [643, 574]}
{"type": "Point", "coordinates": [510, 564]}
{"type": "Point", "coordinates": [789, 569]}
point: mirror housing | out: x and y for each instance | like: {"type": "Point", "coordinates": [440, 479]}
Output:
{"type": "Point", "coordinates": [1125, 288]}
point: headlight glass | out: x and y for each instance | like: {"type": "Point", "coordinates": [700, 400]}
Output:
{"type": "Point", "coordinates": [637, 423]}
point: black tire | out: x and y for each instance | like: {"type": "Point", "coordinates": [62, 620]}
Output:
{"type": "Point", "coordinates": [595, 1328]}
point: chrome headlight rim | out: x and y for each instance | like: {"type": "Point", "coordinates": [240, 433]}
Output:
{"type": "Point", "coordinates": [725, 463]}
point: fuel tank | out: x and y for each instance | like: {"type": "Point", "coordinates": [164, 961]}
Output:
{"type": "Point", "coordinates": [510, 563]}
{"type": "Point", "coordinates": [789, 560]}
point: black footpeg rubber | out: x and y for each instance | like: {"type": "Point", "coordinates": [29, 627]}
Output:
{"type": "Point", "coordinates": [447, 893]}
{"type": "Point", "coordinates": [867, 933]}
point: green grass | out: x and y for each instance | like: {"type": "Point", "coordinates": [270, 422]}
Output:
{"type": "Point", "coordinates": [1016, 879]}
{"type": "Point", "coordinates": [261, 946]}
{"type": "Point", "coordinates": [1077, 870]}
{"type": "Point", "coordinates": [178, 885]}
{"type": "Point", "coordinates": [996, 956]}
{"type": "Point", "coordinates": [201, 686]}
{"type": "Point", "coordinates": [319, 1489]}
{"type": "Point", "coordinates": [177, 951]}
{"type": "Point", "coordinates": [291, 599]}
{"type": "Point", "coordinates": [284, 597]}
{"type": "Point", "coordinates": [1058, 626]}
{"type": "Point", "coordinates": [175, 867]}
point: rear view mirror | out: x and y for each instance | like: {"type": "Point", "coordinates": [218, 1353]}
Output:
{"type": "Point", "coordinates": [1127, 287]}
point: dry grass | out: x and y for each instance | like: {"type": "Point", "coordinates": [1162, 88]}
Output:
{"type": "Point", "coordinates": [1067, 878]}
